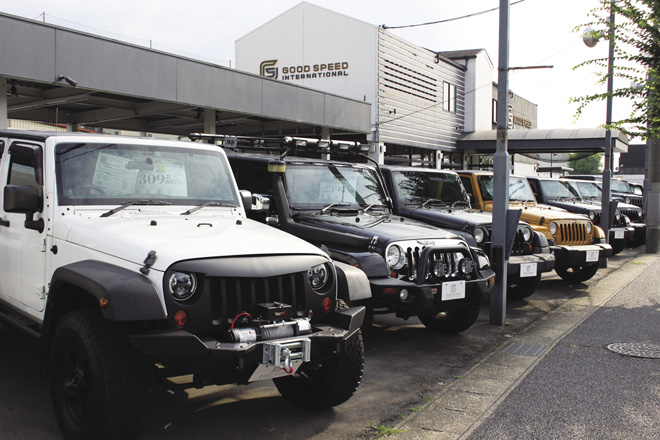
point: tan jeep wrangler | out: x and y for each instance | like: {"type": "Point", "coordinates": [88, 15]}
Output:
{"type": "Point", "coordinates": [578, 245]}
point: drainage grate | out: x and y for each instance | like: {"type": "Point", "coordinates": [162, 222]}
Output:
{"type": "Point", "coordinates": [649, 351]}
{"type": "Point", "coordinates": [524, 349]}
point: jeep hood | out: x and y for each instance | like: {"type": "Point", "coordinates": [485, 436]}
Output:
{"type": "Point", "coordinates": [387, 227]}
{"type": "Point", "coordinates": [175, 237]}
{"type": "Point", "coordinates": [465, 220]}
{"type": "Point", "coordinates": [533, 213]}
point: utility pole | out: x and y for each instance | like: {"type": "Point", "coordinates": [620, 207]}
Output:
{"type": "Point", "coordinates": [501, 165]}
{"type": "Point", "coordinates": [606, 220]}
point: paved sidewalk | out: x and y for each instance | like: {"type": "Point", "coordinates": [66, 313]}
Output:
{"type": "Point", "coordinates": [557, 379]}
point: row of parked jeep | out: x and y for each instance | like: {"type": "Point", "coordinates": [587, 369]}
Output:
{"type": "Point", "coordinates": [138, 262]}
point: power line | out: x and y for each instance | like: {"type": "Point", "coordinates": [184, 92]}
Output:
{"type": "Point", "coordinates": [474, 14]}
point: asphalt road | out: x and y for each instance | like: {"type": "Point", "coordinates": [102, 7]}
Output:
{"type": "Point", "coordinates": [405, 365]}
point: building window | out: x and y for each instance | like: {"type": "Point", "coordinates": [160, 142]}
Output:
{"type": "Point", "coordinates": [449, 97]}
{"type": "Point", "coordinates": [410, 156]}
{"type": "Point", "coordinates": [494, 111]}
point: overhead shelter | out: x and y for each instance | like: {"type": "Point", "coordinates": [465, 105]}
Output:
{"type": "Point", "coordinates": [542, 141]}
{"type": "Point", "coordinates": [61, 76]}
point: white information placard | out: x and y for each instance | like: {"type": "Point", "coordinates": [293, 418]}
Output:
{"type": "Point", "coordinates": [592, 256]}
{"type": "Point", "coordinates": [527, 270]}
{"type": "Point", "coordinates": [453, 290]}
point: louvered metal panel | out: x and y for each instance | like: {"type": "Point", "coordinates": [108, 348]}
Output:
{"type": "Point", "coordinates": [410, 96]}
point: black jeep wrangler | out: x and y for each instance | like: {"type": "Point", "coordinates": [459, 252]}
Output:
{"type": "Point", "coordinates": [437, 197]}
{"type": "Point", "coordinates": [414, 269]}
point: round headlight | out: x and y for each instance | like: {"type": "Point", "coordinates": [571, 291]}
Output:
{"type": "Point", "coordinates": [466, 266]}
{"type": "Point", "coordinates": [479, 235]}
{"type": "Point", "coordinates": [318, 276]}
{"type": "Point", "coordinates": [439, 268]}
{"type": "Point", "coordinates": [627, 200]}
{"type": "Point", "coordinates": [589, 228]}
{"type": "Point", "coordinates": [617, 215]}
{"type": "Point", "coordinates": [592, 215]}
{"type": "Point", "coordinates": [182, 285]}
{"type": "Point", "coordinates": [395, 257]}
{"type": "Point", "coordinates": [553, 228]}
{"type": "Point", "coordinates": [527, 234]}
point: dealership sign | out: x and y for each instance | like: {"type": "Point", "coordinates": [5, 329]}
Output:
{"type": "Point", "coordinates": [269, 69]}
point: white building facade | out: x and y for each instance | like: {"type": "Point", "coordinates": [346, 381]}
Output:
{"type": "Point", "coordinates": [422, 101]}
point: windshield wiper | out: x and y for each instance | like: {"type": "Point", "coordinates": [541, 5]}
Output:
{"type": "Point", "coordinates": [438, 201]}
{"type": "Point", "coordinates": [332, 205]}
{"type": "Point", "coordinates": [204, 205]}
{"type": "Point", "coordinates": [373, 205]}
{"type": "Point", "coordinates": [460, 202]}
{"type": "Point", "coordinates": [131, 203]}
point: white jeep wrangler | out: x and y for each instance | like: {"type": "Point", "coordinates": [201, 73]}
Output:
{"type": "Point", "coordinates": [133, 262]}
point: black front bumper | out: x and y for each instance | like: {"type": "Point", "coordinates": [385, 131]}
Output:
{"type": "Point", "coordinates": [639, 234]}
{"type": "Point", "coordinates": [424, 299]}
{"type": "Point", "coordinates": [573, 256]}
{"type": "Point", "coordinates": [544, 263]}
{"type": "Point", "coordinates": [207, 354]}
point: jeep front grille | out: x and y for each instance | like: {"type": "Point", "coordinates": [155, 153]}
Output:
{"type": "Point", "coordinates": [422, 261]}
{"type": "Point", "coordinates": [520, 247]}
{"type": "Point", "coordinates": [230, 296]}
{"type": "Point", "coordinates": [572, 233]}
{"type": "Point", "coordinates": [635, 215]}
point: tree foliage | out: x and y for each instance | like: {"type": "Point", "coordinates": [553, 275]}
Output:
{"type": "Point", "coordinates": [582, 164]}
{"type": "Point", "coordinates": [636, 61]}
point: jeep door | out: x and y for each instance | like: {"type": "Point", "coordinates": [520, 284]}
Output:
{"type": "Point", "coordinates": [21, 240]}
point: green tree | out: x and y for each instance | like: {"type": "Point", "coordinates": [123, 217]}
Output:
{"type": "Point", "coordinates": [636, 62]}
{"type": "Point", "coordinates": [582, 164]}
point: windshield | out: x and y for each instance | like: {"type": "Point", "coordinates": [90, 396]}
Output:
{"type": "Point", "coordinates": [519, 189]}
{"type": "Point", "coordinates": [620, 186]}
{"type": "Point", "coordinates": [589, 189]}
{"type": "Point", "coordinates": [316, 186]}
{"type": "Point", "coordinates": [419, 187]}
{"type": "Point", "coordinates": [554, 189]}
{"type": "Point", "coordinates": [103, 174]}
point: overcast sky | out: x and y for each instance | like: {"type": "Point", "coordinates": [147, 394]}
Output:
{"type": "Point", "coordinates": [541, 33]}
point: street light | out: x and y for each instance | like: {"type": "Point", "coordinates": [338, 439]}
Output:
{"type": "Point", "coordinates": [590, 39]}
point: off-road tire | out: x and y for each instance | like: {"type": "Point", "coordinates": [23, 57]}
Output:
{"type": "Point", "coordinates": [577, 274]}
{"type": "Point", "coordinates": [97, 385]}
{"type": "Point", "coordinates": [618, 246]}
{"type": "Point", "coordinates": [451, 322]}
{"type": "Point", "coordinates": [522, 288]}
{"type": "Point", "coordinates": [332, 384]}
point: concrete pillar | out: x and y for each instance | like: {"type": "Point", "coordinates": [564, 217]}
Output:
{"type": "Point", "coordinates": [3, 103]}
{"type": "Point", "coordinates": [209, 121]}
{"type": "Point", "coordinates": [653, 198]}
{"type": "Point", "coordinates": [72, 127]}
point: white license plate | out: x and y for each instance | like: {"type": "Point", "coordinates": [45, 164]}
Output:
{"type": "Point", "coordinates": [619, 234]}
{"type": "Point", "coordinates": [527, 270]}
{"type": "Point", "coordinates": [453, 290]}
{"type": "Point", "coordinates": [592, 256]}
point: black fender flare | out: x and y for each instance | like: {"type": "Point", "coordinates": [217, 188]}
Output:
{"type": "Point", "coordinates": [352, 283]}
{"type": "Point", "coordinates": [131, 296]}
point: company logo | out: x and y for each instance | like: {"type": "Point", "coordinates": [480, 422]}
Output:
{"type": "Point", "coordinates": [426, 242]}
{"type": "Point", "coordinates": [268, 69]}
{"type": "Point", "coordinates": [305, 71]}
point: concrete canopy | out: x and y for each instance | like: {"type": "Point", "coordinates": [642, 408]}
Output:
{"type": "Point", "coordinates": [62, 76]}
{"type": "Point", "coordinates": [545, 140]}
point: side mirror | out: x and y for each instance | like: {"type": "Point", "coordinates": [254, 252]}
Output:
{"type": "Point", "coordinates": [246, 198]}
{"type": "Point", "coordinates": [260, 203]}
{"type": "Point", "coordinates": [24, 199]}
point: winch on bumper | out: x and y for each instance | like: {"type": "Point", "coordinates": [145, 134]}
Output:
{"type": "Point", "coordinates": [579, 255]}
{"type": "Point", "coordinates": [258, 351]}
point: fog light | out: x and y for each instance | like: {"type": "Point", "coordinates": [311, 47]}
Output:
{"type": "Point", "coordinates": [439, 268]}
{"type": "Point", "coordinates": [403, 294]}
{"type": "Point", "coordinates": [180, 318]}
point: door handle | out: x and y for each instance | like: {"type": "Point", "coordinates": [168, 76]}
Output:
{"type": "Point", "coordinates": [4, 222]}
